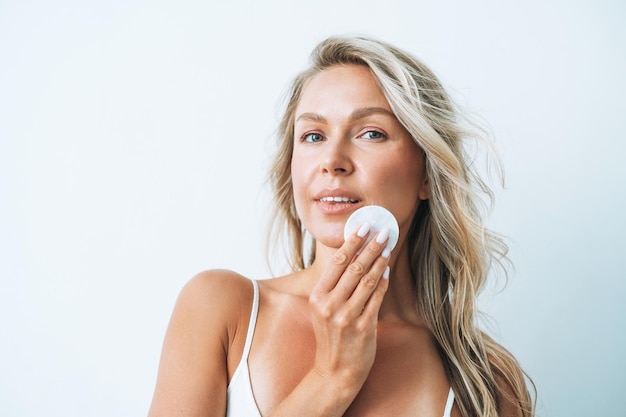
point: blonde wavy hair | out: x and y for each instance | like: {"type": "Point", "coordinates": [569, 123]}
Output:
{"type": "Point", "coordinates": [451, 251]}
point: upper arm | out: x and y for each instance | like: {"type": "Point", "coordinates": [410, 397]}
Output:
{"type": "Point", "coordinates": [193, 376]}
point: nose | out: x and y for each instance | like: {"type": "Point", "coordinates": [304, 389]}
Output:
{"type": "Point", "coordinates": [336, 159]}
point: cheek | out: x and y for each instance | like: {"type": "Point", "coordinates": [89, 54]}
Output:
{"type": "Point", "coordinates": [401, 181]}
{"type": "Point", "coordinates": [298, 182]}
{"type": "Point", "coordinates": [405, 173]}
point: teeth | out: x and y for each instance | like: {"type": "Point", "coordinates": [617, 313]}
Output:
{"type": "Point", "coordinates": [337, 200]}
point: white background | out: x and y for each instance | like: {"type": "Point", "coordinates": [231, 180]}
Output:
{"type": "Point", "coordinates": [134, 141]}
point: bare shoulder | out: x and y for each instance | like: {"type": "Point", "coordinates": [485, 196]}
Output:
{"type": "Point", "coordinates": [513, 395]}
{"type": "Point", "coordinates": [193, 373]}
{"type": "Point", "coordinates": [217, 279]}
{"type": "Point", "coordinates": [514, 399]}
{"type": "Point", "coordinates": [215, 296]}
{"type": "Point", "coordinates": [216, 288]}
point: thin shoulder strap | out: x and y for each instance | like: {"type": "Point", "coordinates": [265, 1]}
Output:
{"type": "Point", "coordinates": [449, 403]}
{"type": "Point", "coordinates": [252, 322]}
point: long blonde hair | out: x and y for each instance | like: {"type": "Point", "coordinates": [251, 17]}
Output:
{"type": "Point", "coordinates": [450, 249]}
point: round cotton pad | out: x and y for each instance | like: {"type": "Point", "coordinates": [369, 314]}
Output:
{"type": "Point", "coordinates": [378, 218]}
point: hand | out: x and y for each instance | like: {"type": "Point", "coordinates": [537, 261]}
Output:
{"type": "Point", "coordinates": [345, 305]}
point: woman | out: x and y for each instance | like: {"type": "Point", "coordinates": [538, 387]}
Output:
{"type": "Point", "coordinates": [354, 332]}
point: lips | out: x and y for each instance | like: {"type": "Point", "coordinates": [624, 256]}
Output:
{"type": "Point", "coordinates": [337, 199]}
{"type": "Point", "coordinates": [336, 195]}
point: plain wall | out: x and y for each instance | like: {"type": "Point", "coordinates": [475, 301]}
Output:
{"type": "Point", "coordinates": [134, 141]}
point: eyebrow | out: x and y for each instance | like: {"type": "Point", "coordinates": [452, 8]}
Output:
{"type": "Point", "coordinates": [356, 115]}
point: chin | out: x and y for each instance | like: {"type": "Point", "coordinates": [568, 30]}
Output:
{"type": "Point", "coordinates": [331, 240]}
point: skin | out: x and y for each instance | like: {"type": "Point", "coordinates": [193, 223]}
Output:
{"type": "Point", "coordinates": [338, 334]}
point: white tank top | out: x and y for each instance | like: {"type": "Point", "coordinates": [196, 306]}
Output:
{"type": "Point", "coordinates": [241, 401]}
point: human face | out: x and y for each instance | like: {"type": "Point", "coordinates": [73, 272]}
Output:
{"type": "Point", "coordinates": [349, 145]}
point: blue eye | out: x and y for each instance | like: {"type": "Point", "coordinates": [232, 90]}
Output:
{"type": "Point", "coordinates": [313, 137]}
{"type": "Point", "coordinates": [373, 134]}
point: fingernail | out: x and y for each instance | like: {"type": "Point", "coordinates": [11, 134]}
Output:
{"type": "Point", "coordinates": [383, 235]}
{"type": "Point", "coordinates": [386, 252]}
{"type": "Point", "coordinates": [363, 230]}
{"type": "Point", "coordinates": [386, 273]}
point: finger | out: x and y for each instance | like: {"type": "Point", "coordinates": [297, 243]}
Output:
{"type": "Point", "coordinates": [372, 304]}
{"type": "Point", "coordinates": [342, 258]}
{"type": "Point", "coordinates": [367, 286]}
{"type": "Point", "coordinates": [359, 267]}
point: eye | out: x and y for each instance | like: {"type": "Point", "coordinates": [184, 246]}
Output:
{"type": "Point", "coordinates": [312, 138]}
{"type": "Point", "coordinates": [373, 134]}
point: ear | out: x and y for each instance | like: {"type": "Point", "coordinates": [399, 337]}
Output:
{"type": "Point", "coordinates": [424, 191]}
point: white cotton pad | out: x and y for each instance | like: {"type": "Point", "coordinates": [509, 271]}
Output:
{"type": "Point", "coordinates": [378, 218]}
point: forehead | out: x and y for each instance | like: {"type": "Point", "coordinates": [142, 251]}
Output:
{"type": "Point", "coordinates": [342, 87]}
